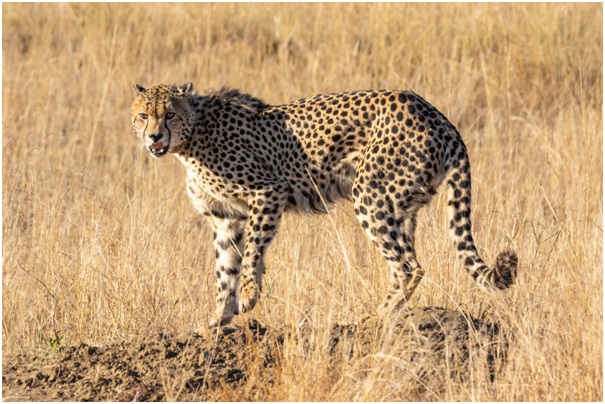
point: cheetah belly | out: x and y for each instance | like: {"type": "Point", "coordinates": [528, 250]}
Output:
{"type": "Point", "coordinates": [317, 193]}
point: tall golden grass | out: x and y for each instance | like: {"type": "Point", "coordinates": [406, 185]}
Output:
{"type": "Point", "coordinates": [101, 244]}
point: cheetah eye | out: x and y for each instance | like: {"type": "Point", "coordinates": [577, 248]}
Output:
{"type": "Point", "coordinates": [143, 116]}
{"type": "Point", "coordinates": [170, 115]}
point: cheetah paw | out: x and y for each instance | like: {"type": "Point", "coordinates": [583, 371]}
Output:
{"type": "Point", "coordinates": [392, 306]}
{"type": "Point", "coordinates": [220, 320]}
{"type": "Point", "coordinates": [248, 297]}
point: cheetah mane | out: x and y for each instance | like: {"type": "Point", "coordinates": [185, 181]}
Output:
{"type": "Point", "coordinates": [234, 96]}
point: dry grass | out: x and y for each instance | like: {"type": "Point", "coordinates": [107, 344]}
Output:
{"type": "Point", "coordinates": [100, 242]}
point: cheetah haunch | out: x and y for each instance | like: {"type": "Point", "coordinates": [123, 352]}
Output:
{"type": "Point", "coordinates": [248, 162]}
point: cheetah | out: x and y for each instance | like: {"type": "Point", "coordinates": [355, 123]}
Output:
{"type": "Point", "coordinates": [249, 162]}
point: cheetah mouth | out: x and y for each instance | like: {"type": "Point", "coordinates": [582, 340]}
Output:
{"type": "Point", "coordinates": [158, 149]}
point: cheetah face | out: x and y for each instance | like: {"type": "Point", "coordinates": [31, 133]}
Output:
{"type": "Point", "coordinates": [162, 117]}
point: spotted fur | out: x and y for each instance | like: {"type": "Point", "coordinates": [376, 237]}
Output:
{"type": "Point", "coordinates": [249, 162]}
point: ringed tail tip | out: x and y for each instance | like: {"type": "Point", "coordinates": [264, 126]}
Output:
{"type": "Point", "coordinates": [505, 270]}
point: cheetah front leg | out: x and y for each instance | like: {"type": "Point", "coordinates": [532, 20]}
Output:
{"type": "Point", "coordinates": [228, 243]}
{"type": "Point", "coordinates": [264, 220]}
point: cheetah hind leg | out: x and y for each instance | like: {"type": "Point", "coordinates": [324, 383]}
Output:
{"type": "Point", "coordinates": [406, 272]}
{"type": "Point", "coordinates": [405, 280]}
{"type": "Point", "coordinates": [392, 232]}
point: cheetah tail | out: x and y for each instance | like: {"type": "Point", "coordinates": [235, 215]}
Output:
{"type": "Point", "coordinates": [503, 273]}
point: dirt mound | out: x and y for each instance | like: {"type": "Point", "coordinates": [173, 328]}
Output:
{"type": "Point", "coordinates": [242, 362]}
{"type": "Point", "coordinates": [423, 346]}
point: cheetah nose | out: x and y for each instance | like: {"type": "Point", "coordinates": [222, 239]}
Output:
{"type": "Point", "coordinates": [155, 136]}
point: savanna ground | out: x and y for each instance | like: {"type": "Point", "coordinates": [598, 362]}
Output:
{"type": "Point", "coordinates": [104, 261]}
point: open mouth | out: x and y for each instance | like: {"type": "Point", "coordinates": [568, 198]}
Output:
{"type": "Point", "coordinates": [158, 149]}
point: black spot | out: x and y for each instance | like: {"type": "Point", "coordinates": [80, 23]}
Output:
{"type": "Point", "coordinates": [267, 227]}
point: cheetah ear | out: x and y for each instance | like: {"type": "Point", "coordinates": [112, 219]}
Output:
{"type": "Point", "coordinates": [139, 89]}
{"type": "Point", "coordinates": [186, 88]}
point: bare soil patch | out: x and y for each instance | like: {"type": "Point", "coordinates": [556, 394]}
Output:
{"type": "Point", "coordinates": [243, 362]}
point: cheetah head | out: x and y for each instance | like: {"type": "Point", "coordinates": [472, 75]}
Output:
{"type": "Point", "coordinates": [162, 117]}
